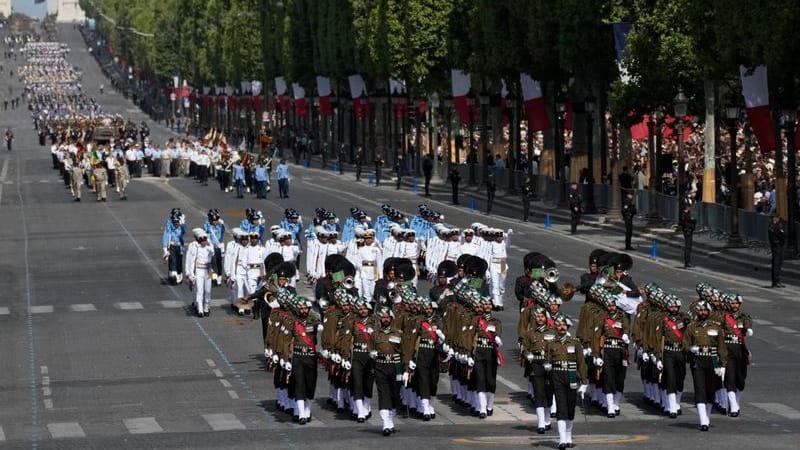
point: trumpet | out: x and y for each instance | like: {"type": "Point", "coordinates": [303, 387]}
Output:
{"type": "Point", "coordinates": [348, 282]}
{"type": "Point", "coordinates": [551, 275]}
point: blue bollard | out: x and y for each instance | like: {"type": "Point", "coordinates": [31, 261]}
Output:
{"type": "Point", "coordinates": [414, 186]}
{"type": "Point", "coordinates": [334, 168]}
{"type": "Point", "coordinates": [472, 203]}
{"type": "Point", "coordinates": [307, 163]}
{"type": "Point", "coordinates": [547, 221]}
{"type": "Point", "coordinates": [654, 250]}
{"type": "Point", "coordinates": [371, 180]}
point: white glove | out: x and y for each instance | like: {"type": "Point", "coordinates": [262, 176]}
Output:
{"type": "Point", "coordinates": [370, 330]}
{"type": "Point", "coordinates": [720, 371]}
{"type": "Point", "coordinates": [491, 328]}
{"type": "Point", "coordinates": [659, 365]}
{"type": "Point", "coordinates": [529, 356]}
{"type": "Point", "coordinates": [275, 359]}
{"type": "Point", "coordinates": [470, 362]}
{"type": "Point", "coordinates": [325, 354]}
{"type": "Point", "coordinates": [288, 367]}
{"type": "Point", "coordinates": [346, 364]}
{"type": "Point", "coordinates": [450, 353]}
{"type": "Point", "coordinates": [598, 362]}
{"type": "Point", "coordinates": [373, 354]}
{"type": "Point", "coordinates": [440, 333]}
{"type": "Point", "coordinates": [639, 352]}
{"type": "Point", "coordinates": [645, 356]}
{"type": "Point", "coordinates": [336, 358]}
{"type": "Point", "coordinates": [653, 358]}
{"type": "Point", "coordinates": [268, 353]}
{"type": "Point", "coordinates": [626, 339]}
{"type": "Point", "coordinates": [547, 367]}
{"type": "Point", "coordinates": [519, 346]}
{"type": "Point", "coordinates": [694, 349]}
{"type": "Point", "coordinates": [460, 358]}
{"type": "Point", "coordinates": [165, 255]}
{"type": "Point", "coordinates": [510, 231]}
{"type": "Point", "coordinates": [587, 351]}
{"type": "Point", "coordinates": [412, 365]}
{"type": "Point", "coordinates": [405, 377]}
{"type": "Point", "coordinates": [446, 348]}
{"type": "Point", "coordinates": [582, 389]}
{"type": "Point", "coordinates": [283, 363]}
{"type": "Point", "coordinates": [498, 341]}
{"type": "Point", "coordinates": [749, 332]}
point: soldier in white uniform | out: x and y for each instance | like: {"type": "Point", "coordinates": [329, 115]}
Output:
{"type": "Point", "coordinates": [198, 271]}
{"type": "Point", "coordinates": [290, 252]}
{"type": "Point", "coordinates": [498, 265]}
{"type": "Point", "coordinates": [231, 262]}
{"type": "Point", "coordinates": [254, 264]}
{"type": "Point", "coordinates": [470, 245]}
{"type": "Point", "coordinates": [369, 265]}
{"type": "Point", "coordinates": [409, 248]}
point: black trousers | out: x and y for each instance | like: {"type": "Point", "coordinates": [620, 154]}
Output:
{"type": "Point", "coordinates": [426, 375]}
{"type": "Point", "coordinates": [703, 378]}
{"type": "Point", "coordinates": [216, 261]}
{"type": "Point", "coordinates": [687, 247]}
{"type": "Point", "coordinates": [455, 193]}
{"type": "Point", "coordinates": [427, 185]}
{"type": "Point", "coordinates": [628, 231]}
{"type": "Point", "coordinates": [176, 259]}
{"type": "Point", "coordinates": [542, 388]}
{"type": "Point", "coordinates": [574, 219]}
{"type": "Point", "coordinates": [303, 379]}
{"type": "Point", "coordinates": [489, 202]}
{"type": "Point", "coordinates": [674, 372]}
{"type": "Point", "coordinates": [566, 397]}
{"type": "Point", "coordinates": [387, 385]}
{"type": "Point", "coordinates": [777, 263]}
{"type": "Point", "coordinates": [358, 172]}
{"type": "Point", "coordinates": [735, 368]}
{"type": "Point", "coordinates": [484, 373]}
{"type": "Point", "coordinates": [361, 375]}
{"type": "Point", "coordinates": [613, 370]}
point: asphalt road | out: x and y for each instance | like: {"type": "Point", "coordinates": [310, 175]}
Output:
{"type": "Point", "coordinates": [98, 353]}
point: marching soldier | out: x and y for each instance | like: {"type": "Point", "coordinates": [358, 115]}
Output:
{"type": "Point", "coordinates": [369, 264]}
{"type": "Point", "coordinates": [199, 271]}
{"type": "Point", "coordinates": [215, 229]}
{"type": "Point", "coordinates": [533, 344]}
{"type": "Point", "coordinates": [431, 340]}
{"type": "Point", "coordinates": [100, 182]}
{"type": "Point", "coordinates": [671, 357]}
{"type": "Point", "coordinates": [568, 375]}
{"type": "Point", "coordinates": [172, 245]}
{"type": "Point", "coordinates": [485, 356]}
{"type": "Point", "coordinates": [76, 180]}
{"type": "Point", "coordinates": [738, 326]}
{"type": "Point", "coordinates": [612, 351]}
{"type": "Point", "coordinates": [303, 366]}
{"type": "Point", "coordinates": [708, 356]}
{"type": "Point", "coordinates": [387, 341]}
{"type": "Point", "coordinates": [357, 348]}
{"type": "Point", "coordinates": [123, 178]}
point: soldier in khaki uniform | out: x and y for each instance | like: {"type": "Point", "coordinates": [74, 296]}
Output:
{"type": "Point", "coordinates": [486, 354]}
{"type": "Point", "coordinates": [739, 325]}
{"type": "Point", "coordinates": [277, 347]}
{"type": "Point", "coordinates": [76, 180]}
{"type": "Point", "coordinates": [386, 342]}
{"type": "Point", "coordinates": [705, 340]}
{"type": "Point", "coordinates": [358, 338]}
{"type": "Point", "coordinates": [611, 351]}
{"type": "Point", "coordinates": [429, 342]}
{"type": "Point", "coordinates": [100, 182]}
{"type": "Point", "coordinates": [569, 376]}
{"type": "Point", "coordinates": [669, 351]}
{"type": "Point", "coordinates": [533, 344]}
{"type": "Point", "coordinates": [301, 365]}
{"type": "Point", "coordinates": [123, 178]}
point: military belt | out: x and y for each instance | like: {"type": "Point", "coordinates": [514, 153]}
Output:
{"type": "Point", "coordinates": [368, 263]}
{"type": "Point", "coordinates": [421, 345]}
{"type": "Point", "coordinates": [732, 339]}
{"type": "Point", "coordinates": [613, 343]}
{"type": "Point", "coordinates": [564, 366]}
{"type": "Point", "coordinates": [360, 347]}
{"type": "Point", "coordinates": [254, 266]}
{"type": "Point", "coordinates": [707, 351]}
{"type": "Point", "coordinates": [388, 359]}
{"type": "Point", "coordinates": [673, 347]}
{"type": "Point", "coordinates": [303, 351]}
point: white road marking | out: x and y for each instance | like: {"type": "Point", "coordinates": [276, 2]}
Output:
{"type": "Point", "coordinates": [42, 309]}
{"type": "Point", "coordinates": [218, 373]}
{"type": "Point", "coordinates": [3, 175]}
{"type": "Point", "coordinates": [779, 409]}
{"type": "Point", "coordinates": [233, 395]}
{"type": "Point", "coordinates": [2, 435]}
{"type": "Point", "coordinates": [211, 363]}
{"type": "Point", "coordinates": [46, 392]}
{"type": "Point", "coordinates": [4, 311]}
{"type": "Point", "coordinates": [785, 329]}
{"type": "Point", "coordinates": [172, 303]}
{"type": "Point", "coordinates": [510, 384]}
{"type": "Point", "coordinates": [128, 305]}
{"type": "Point", "coordinates": [65, 430]}
{"type": "Point", "coordinates": [48, 404]}
{"type": "Point", "coordinates": [223, 422]}
{"type": "Point", "coordinates": [45, 381]}
{"type": "Point", "coordinates": [762, 322]}
{"type": "Point", "coordinates": [225, 383]}
{"type": "Point", "coordinates": [142, 425]}
{"type": "Point", "coordinates": [43, 369]}
{"type": "Point", "coordinates": [82, 307]}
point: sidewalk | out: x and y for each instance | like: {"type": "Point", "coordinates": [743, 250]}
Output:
{"type": "Point", "coordinates": [598, 225]}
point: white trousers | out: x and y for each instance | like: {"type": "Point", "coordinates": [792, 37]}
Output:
{"type": "Point", "coordinates": [202, 290]}
{"type": "Point", "coordinates": [498, 284]}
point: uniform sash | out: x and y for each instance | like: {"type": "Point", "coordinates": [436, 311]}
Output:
{"type": "Point", "coordinates": [484, 327]}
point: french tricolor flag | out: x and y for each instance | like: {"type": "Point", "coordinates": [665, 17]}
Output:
{"type": "Point", "coordinates": [324, 91]}
{"type": "Point", "coordinates": [358, 91]}
{"type": "Point", "coordinates": [538, 119]}
{"type": "Point", "coordinates": [461, 86]}
{"type": "Point", "coordinates": [280, 90]}
{"type": "Point", "coordinates": [300, 99]}
{"type": "Point", "coordinates": [756, 99]}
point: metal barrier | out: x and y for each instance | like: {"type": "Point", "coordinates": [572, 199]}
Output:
{"type": "Point", "coordinates": [668, 207]}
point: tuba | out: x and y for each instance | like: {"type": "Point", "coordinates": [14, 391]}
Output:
{"type": "Point", "coordinates": [349, 282]}
{"type": "Point", "coordinates": [551, 275]}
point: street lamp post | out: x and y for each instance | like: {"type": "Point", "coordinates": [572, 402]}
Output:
{"type": "Point", "coordinates": [654, 127]}
{"type": "Point", "coordinates": [483, 99]}
{"type": "Point", "coordinates": [561, 107]}
{"type": "Point", "coordinates": [589, 104]}
{"type": "Point", "coordinates": [680, 103]}
{"type": "Point", "coordinates": [734, 240]}
{"type": "Point", "coordinates": [514, 147]}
